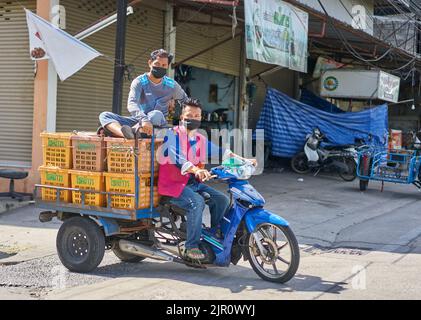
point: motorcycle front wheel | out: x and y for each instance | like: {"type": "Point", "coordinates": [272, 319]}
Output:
{"type": "Point", "coordinates": [351, 173]}
{"type": "Point", "coordinates": [299, 163]}
{"type": "Point", "coordinates": [273, 252]}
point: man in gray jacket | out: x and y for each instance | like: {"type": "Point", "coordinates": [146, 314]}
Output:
{"type": "Point", "coordinates": [150, 97]}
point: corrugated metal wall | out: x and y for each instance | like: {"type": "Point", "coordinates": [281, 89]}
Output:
{"type": "Point", "coordinates": [192, 38]}
{"type": "Point", "coordinates": [82, 97]}
{"type": "Point", "coordinates": [16, 84]}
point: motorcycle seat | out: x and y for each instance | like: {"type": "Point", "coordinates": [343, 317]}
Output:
{"type": "Point", "coordinates": [166, 201]}
{"type": "Point", "coordinates": [338, 147]}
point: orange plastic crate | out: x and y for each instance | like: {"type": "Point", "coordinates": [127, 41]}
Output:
{"type": "Point", "coordinates": [54, 176]}
{"type": "Point", "coordinates": [120, 158]}
{"type": "Point", "coordinates": [57, 150]}
{"type": "Point", "coordinates": [88, 152]}
{"type": "Point", "coordinates": [87, 181]}
{"type": "Point", "coordinates": [125, 183]}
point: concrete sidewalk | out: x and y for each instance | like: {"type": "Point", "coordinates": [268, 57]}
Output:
{"type": "Point", "coordinates": [24, 237]}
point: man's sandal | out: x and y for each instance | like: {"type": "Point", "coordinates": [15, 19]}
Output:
{"type": "Point", "coordinates": [195, 254]}
{"type": "Point", "coordinates": [103, 132]}
{"type": "Point", "coordinates": [127, 132]}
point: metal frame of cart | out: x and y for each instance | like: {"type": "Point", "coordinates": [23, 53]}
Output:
{"type": "Point", "coordinates": [396, 166]}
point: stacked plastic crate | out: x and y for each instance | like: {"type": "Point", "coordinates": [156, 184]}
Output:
{"type": "Point", "coordinates": [120, 177]}
{"type": "Point", "coordinates": [88, 165]}
{"type": "Point", "coordinates": [84, 161]}
{"type": "Point", "coordinates": [57, 160]}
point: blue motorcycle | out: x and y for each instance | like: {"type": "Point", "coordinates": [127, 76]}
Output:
{"type": "Point", "coordinates": [248, 230]}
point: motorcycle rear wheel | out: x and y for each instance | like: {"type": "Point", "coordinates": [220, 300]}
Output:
{"type": "Point", "coordinates": [271, 266]}
{"type": "Point", "coordinates": [299, 163]}
{"type": "Point", "coordinates": [351, 174]}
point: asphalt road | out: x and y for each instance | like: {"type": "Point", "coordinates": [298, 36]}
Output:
{"type": "Point", "coordinates": [353, 246]}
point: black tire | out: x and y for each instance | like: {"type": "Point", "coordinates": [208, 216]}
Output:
{"type": "Point", "coordinates": [299, 163]}
{"type": "Point", "coordinates": [80, 244]}
{"type": "Point", "coordinates": [126, 257]}
{"type": "Point", "coordinates": [351, 175]}
{"type": "Point", "coordinates": [295, 256]}
{"type": "Point", "coordinates": [363, 185]}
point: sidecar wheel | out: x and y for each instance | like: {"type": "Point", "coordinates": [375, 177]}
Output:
{"type": "Point", "coordinates": [280, 262]}
{"type": "Point", "coordinates": [363, 185]}
{"type": "Point", "coordinates": [80, 244]}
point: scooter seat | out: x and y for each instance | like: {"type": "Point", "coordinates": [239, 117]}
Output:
{"type": "Point", "coordinates": [166, 201]}
{"type": "Point", "coordinates": [337, 147]}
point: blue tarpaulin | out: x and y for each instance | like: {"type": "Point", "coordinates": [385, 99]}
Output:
{"type": "Point", "coordinates": [313, 100]}
{"type": "Point", "coordinates": [287, 122]}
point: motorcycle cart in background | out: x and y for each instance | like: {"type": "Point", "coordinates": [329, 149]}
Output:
{"type": "Point", "coordinates": [397, 166]}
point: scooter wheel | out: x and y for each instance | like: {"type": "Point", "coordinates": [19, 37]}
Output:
{"type": "Point", "coordinates": [299, 163]}
{"type": "Point", "coordinates": [351, 173]}
{"type": "Point", "coordinates": [281, 257]}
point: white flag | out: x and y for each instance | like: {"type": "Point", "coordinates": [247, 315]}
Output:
{"type": "Point", "coordinates": [47, 41]}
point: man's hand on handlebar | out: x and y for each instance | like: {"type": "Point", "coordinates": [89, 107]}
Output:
{"type": "Point", "coordinates": [202, 174]}
{"type": "Point", "coordinates": [253, 162]}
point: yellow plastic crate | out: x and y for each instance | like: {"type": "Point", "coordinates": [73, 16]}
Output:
{"type": "Point", "coordinates": [57, 150]}
{"type": "Point", "coordinates": [120, 158]}
{"type": "Point", "coordinates": [125, 183]}
{"type": "Point", "coordinates": [88, 152]}
{"type": "Point", "coordinates": [54, 176]}
{"type": "Point", "coordinates": [86, 180]}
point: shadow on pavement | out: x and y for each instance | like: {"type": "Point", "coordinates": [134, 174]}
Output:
{"type": "Point", "coordinates": [235, 278]}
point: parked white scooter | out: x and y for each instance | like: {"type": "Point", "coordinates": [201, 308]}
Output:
{"type": "Point", "coordinates": [338, 158]}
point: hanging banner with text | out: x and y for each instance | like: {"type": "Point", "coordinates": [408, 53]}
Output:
{"type": "Point", "coordinates": [276, 33]}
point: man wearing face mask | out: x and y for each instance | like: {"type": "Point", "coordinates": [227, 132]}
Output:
{"type": "Point", "coordinates": [182, 173]}
{"type": "Point", "coordinates": [151, 95]}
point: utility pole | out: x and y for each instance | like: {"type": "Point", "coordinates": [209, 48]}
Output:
{"type": "Point", "coordinates": [120, 47]}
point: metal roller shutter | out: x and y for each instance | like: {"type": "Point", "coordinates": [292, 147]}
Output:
{"type": "Point", "coordinates": [82, 97]}
{"type": "Point", "coordinates": [192, 38]}
{"type": "Point", "coordinates": [16, 85]}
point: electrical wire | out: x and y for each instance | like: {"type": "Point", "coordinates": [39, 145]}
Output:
{"type": "Point", "coordinates": [370, 60]}
{"type": "Point", "coordinates": [388, 36]}
{"type": "Point", "coordinates": [349, 47]}
{"type": "Point", "coordinates": [406, 14]}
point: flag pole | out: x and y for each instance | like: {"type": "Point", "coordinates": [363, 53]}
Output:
{"type": "Point", "coordinates": [120, 46]}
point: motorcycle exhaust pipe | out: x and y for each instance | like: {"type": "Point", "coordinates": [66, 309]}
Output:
{"type": "Point", "coordinates": [143, 251]}
{"type": "Point", "coordinates": [173, 249]}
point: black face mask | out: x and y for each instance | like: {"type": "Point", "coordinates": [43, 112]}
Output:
{"type": "Point", "coordinates": [158, 72]}
{"type": "Point", "coordinates": [191, 124]}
